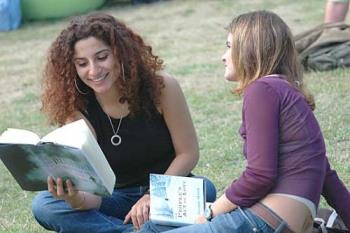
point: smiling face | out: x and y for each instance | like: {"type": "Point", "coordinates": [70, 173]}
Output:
{"type": "Point", "coordinates": [227, 60]}
{"type": "Point", "coordinates": [95, 64]}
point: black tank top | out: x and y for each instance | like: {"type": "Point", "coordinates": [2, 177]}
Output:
{"type": "Point", "coordinates": [146, 145]}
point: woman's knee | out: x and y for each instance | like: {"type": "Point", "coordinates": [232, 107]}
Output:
{"type": "Point", "coordinates": [39, 202]}
{"type": "Point", "coordinates": [45, 206]}
{"type": "Point", "coordinates": [209, 188]}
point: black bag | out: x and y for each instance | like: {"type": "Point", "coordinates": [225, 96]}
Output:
{"type": "Point", "coordinates": [327, 221]}
{"type": "Point", "coordinates": [324, 47]}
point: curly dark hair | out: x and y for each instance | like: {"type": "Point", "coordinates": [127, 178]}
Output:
{"type": "Point", "coordinates": [141, 87]}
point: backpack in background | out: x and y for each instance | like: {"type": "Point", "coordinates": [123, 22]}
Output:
{"type": "Point", "coordinates": [328, 221]}
{"type": "Point", "coordinates": [324, 47]}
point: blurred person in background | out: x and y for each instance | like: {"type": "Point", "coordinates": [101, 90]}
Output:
{"type": "Point", "coordinates": [336, 10]}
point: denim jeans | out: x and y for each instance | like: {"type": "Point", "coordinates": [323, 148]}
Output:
{"type": "Point", "coordinates": [57, 215]}
{"type": "Point", "coordinates": [232, 222]}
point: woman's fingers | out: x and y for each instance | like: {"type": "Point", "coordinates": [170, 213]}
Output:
{"type": "Point", "coordinates": [145, 208]}
{"type": "Point", "coordinates": [71, 189]}
{"type": "Point", "coordinates": [145, 213]}
{"type": "Point", "coordinates": [56, 187]}
{"type": "Point", "coordinates": [200, 219]}
{"type": "Point", "coordinates": [139, 213]}
{"type": "Point", "coordinates": [142, 211]}
{"type": "Point", "coordinates": [59, 187]}
{"type": "Point", "coordinates": [127, 218]}
{"type": "Point", "coordinates": [51, 186]}
{"type": "Point", "coordinates": [140, 216]}
{"type": "Point", "coordinates": [134, 218]}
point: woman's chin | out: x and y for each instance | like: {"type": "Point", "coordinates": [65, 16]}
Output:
{"type": "Point", "coordinates": [101, 89]}
{"type": "Point", "coordinates": [230, 79]}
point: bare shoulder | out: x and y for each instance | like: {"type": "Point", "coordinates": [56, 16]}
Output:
{"type": "Point", "coordinates": [74, 117]}
{"type": "Point", "coordinates": [169, 81]}
{"type": "Point", "coordinates": [172, 96]}
{"type": "Point", "coordinates": [77, 116]}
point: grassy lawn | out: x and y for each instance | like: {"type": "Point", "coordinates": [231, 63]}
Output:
{"type": "Point", "coordinates": [189, 35]}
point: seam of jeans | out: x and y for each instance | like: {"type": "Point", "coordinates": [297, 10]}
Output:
{"type": "Point", "coordinates": [106, 218]}
{"type": "Point", "coordinates": [153, 228]}
{"type": "Point", "coordinates": [210, 227]}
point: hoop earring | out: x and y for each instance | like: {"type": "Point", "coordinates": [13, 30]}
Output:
{"type": "Point", "coordinates": [76, 87]}
{"type": "Point", "coordinates": [123, 74]}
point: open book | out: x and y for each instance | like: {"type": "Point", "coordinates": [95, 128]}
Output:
{"type": "Point", "coordinates": [70, 152]}
{"type": "Point", "coordinates": [176, 200]}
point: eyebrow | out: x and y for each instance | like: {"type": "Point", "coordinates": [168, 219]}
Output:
{"type": "Point", "coordinates": [97, 53]}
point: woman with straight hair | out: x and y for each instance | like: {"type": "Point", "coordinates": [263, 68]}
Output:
{"type": "Point", "coordinates": [287, 169]}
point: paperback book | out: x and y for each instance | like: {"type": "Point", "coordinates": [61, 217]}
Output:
{"type": "Point", "coordinates": [176, 200]}
{"type": "Point", "coordinates": [70, 152]}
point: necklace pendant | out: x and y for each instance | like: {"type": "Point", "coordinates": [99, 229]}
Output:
{"type": "Point", "coordinates": [116, 140]}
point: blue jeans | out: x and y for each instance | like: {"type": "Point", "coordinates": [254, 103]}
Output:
{"type": "Point", "coordinates": [57, 215]}
{"type": "Point", "coordinates": [232, 222]}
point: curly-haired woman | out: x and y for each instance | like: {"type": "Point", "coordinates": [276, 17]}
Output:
{"type": "Point", "coordinates": [99, 70]}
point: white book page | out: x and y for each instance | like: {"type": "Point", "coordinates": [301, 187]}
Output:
{"type": "Point", "coordinates": [72, 134]}
{"type": "Point", "coordinates": [19, 136]}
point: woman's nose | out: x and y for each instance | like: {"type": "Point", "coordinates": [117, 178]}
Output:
{"type": "Point", "coordinates": [223, 59]}
{"type": "Point", "coordinates": [94, 69]}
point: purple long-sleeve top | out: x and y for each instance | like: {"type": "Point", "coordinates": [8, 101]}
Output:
{"type": "Point", "coordinates": [284, 148]}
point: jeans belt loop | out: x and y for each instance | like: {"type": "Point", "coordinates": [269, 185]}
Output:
{"type": "Point", "coordinates": [270, 218]}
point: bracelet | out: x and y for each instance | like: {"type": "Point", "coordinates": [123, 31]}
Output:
{"type": "Point", "coordinates": [208, 213]}
{"type": "Point", "coordinates": [81, 204]}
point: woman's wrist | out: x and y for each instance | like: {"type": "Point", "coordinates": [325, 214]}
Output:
{"type": "Point", "coordinates": [79, 204]}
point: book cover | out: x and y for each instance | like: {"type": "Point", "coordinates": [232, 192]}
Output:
{"type": "Point", "coordinates": [70, 152]}
{"type": "Point", "coordinates": [176, 200]}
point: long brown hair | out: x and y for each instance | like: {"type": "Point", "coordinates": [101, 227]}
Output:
{"type": "Point", "coordinates": [263, 45]}
{"type": "Point", "coordinates": [141, 87]}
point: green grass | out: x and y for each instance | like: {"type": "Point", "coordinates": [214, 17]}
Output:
{"type": "Point", "coordinates": [189, 36]}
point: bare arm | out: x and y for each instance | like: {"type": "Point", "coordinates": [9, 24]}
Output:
{"type": "Point", "coordinates": [222, 205]}
{"type": "Point", "coordinates": [179, 122]}
{"type": "Point", "coordinates": [177, 117]}
{"type": "Point", "coordinates": [336, 194]}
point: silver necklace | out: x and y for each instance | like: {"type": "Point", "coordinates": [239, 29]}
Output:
{"type": "Point", "coordinates": [116, 140]}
